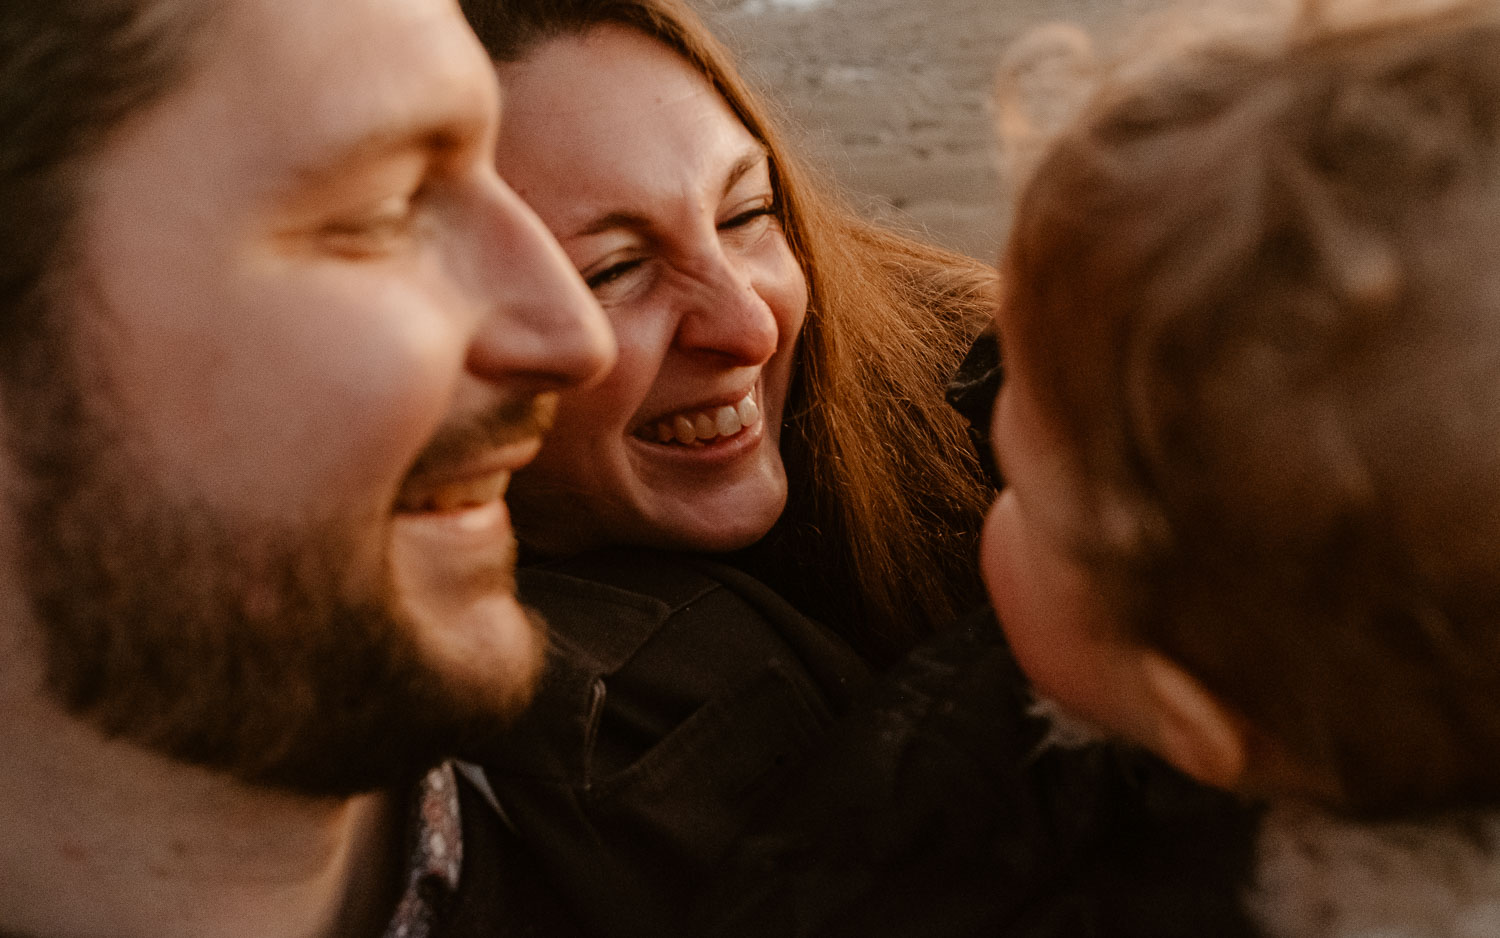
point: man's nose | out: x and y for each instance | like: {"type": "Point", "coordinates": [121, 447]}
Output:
{"type": "Point", "coordinates": [543, 327]}
{"type": "Point", "coordinates": [726, 317]}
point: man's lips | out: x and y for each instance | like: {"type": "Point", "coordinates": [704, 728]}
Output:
{"type": "Point", "coordinates": [458, 495]}
{"type": "Point", "coordinates": [469, 463]}
{"type": "Point", "coordinates": [481, 482]}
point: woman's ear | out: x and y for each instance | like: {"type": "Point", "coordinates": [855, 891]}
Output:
{"type": "Point", "coordinates": [1193, 729]}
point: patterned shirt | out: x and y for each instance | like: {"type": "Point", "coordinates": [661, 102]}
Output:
{"type": "Point", "coordinates": [434, 856]}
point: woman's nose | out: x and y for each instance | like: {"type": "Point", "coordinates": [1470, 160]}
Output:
{"type": "Point", "coordinates": [727, 317]}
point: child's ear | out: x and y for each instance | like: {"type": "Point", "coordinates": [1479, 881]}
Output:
{"type": "Point", "coordinates": [1193, 729]}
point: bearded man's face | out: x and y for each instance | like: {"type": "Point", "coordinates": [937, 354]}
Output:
{"type": "Point", "coordinates": [261, 443]}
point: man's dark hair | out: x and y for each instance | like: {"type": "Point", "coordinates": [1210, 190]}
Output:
{"type": "Point", "coordinates": [71, 71]}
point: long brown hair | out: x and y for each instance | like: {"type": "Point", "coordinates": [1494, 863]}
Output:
{"type": "Point", "coordinates": [886, 495]}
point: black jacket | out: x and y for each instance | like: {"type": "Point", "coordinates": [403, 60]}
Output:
{"type": "Point", "coordinates": [502, 890]}
{"type": "Point", "coordinates": [936, 810]}
{"type": "Point", "coordinates": [678, 695]}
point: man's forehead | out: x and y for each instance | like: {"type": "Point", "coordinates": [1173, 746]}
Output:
{"type": "Point", "coordinates": [346, 78]}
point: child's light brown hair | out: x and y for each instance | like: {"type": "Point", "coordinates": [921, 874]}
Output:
{"type": "Point", "coordinates": [1257, 288]}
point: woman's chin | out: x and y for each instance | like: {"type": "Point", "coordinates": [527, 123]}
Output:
{"type": "Point", "coordinates": [720, 542]}
{"type": "Point", "coordinates": [713, 528]}
{"type": "Point", "coordinates": [712, 538]}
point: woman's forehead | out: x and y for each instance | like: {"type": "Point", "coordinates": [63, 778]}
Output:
{"type": "Point", "coordinates": [610, 77]}
{"type": "Point", "coordinates": [615, 122]}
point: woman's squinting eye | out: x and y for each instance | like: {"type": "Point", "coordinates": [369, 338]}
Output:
{"type": "Point", "coordinates": [615, 276]}
{"type": "Point", "coordinates": [745, 215]}
{"type": "Point", "coordinates": [599, 277]}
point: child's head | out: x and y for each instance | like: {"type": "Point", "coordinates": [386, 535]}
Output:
{"type": "Point", "coordinates": [1251, 420]}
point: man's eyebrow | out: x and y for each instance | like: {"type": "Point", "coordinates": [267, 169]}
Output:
{"type": "Point", "coordinates": [428, 139]}
{"type": "Point", "coordinates": [634, 220]}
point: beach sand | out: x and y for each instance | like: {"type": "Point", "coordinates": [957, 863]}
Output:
{"type": "Point", "coordinates": [892, 97]}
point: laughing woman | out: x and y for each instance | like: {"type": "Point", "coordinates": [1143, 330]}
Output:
{"type": "Point", "coordinates": [765, 502]}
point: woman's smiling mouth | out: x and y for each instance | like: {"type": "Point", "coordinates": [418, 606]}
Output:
{"type": "Point", "coordinates": [703, 426]}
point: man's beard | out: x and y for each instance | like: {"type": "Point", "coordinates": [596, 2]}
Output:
{"type": "Point", "coordinates": [249, 652]}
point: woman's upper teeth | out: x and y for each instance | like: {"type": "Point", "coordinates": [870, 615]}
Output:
{"type": "Point", "coordinates": [698, 425]}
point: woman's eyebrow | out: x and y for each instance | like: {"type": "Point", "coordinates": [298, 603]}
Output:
{"type": "Point", "coordinates": [610, 222]}
{"type": "Point", "coordinates": [743, 165]}
{"type": "Point", "coordinates": [636, 221]}
{"type": "Point", "coordinates": [429, 136]}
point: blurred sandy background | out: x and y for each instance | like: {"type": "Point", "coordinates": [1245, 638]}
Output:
{"type": "Point", "coordinates": [893, 95]}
